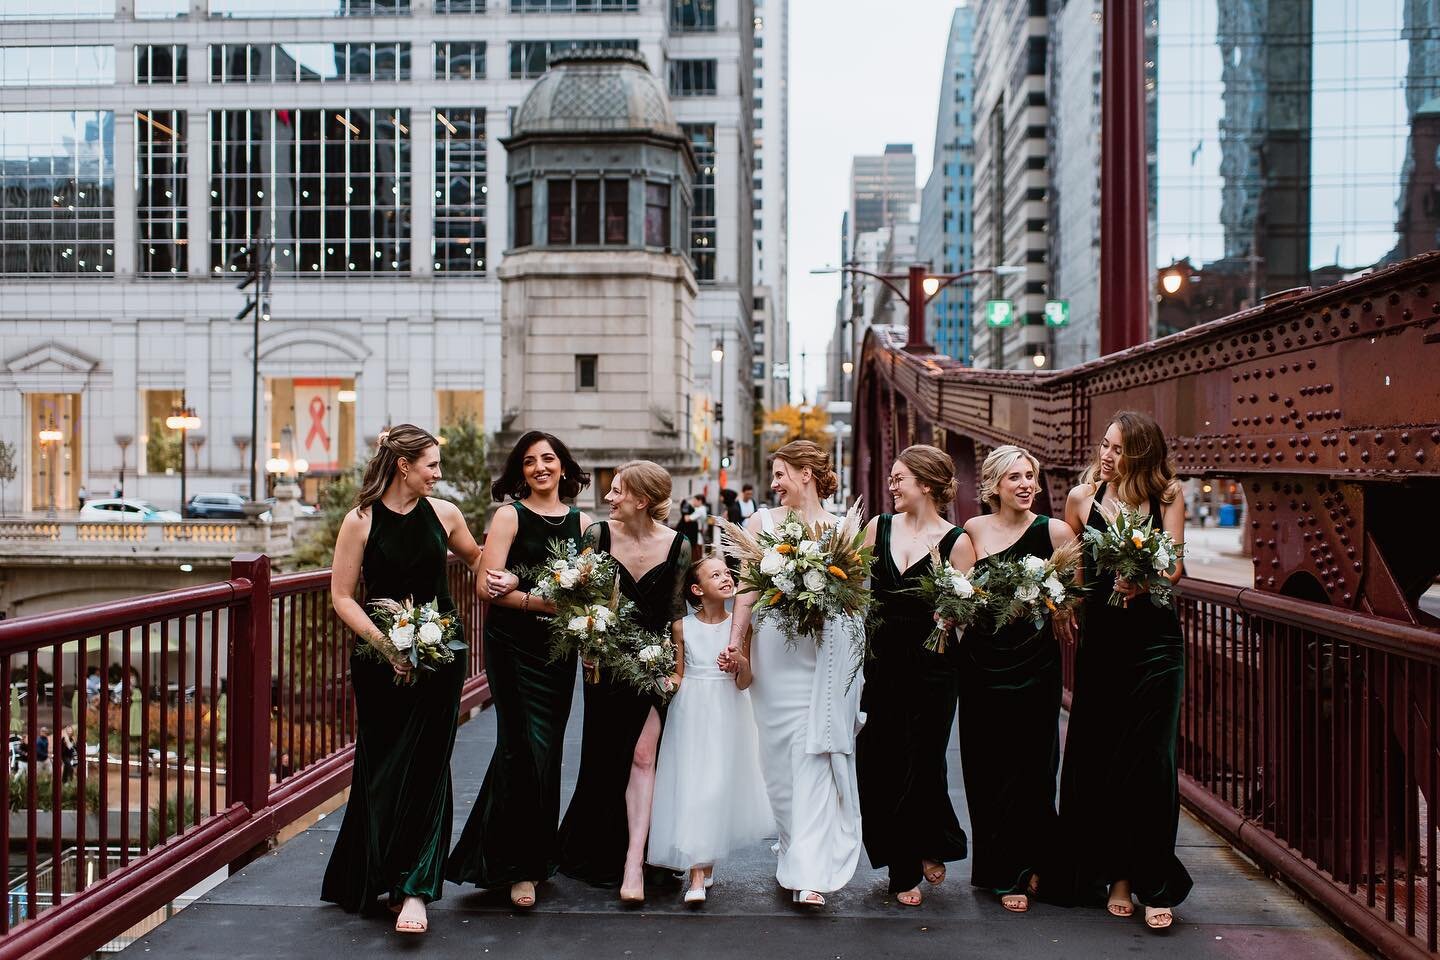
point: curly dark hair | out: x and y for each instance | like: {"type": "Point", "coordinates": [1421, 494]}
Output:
{"type": "Point", "coordinates": [511, 482]}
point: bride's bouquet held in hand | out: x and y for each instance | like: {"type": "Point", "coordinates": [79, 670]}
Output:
{"type": "Point", "coordinates": [421, 636]}
{"type": "Point", "coordinates": [1032, 589]}
{"type": "Point", "coordinates": [956, 599]}
{"type": "Point", "coordinates": [804, 575]}
{"type": "Point", "coordinates": [1138, 551]}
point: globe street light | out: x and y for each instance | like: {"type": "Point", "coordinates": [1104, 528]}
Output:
{"type": "Point", "coordinates": [183, 419]}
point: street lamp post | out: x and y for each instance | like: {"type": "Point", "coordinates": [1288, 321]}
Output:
{"type": "Point", "coordinates": [717, 354]}
{"type": "Point", "coordinates": [123, 441]}
{"type": "Point", "coordinates": [184, 420]}
{"type": "Point", "coordinates": [48, 436]}
{"type": "Point", "coordinates": [921, 286]}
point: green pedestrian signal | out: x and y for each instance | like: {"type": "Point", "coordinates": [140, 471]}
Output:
{"type": "Point", "coordinates": [999, 313]}
{"type": "Point", "coordinates": [1057, 313]}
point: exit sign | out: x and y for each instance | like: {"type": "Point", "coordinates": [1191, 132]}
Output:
{"type": "Point", "coordinates": [999, 313]}
{"type": "Point", "coordinates": [1057, 313]}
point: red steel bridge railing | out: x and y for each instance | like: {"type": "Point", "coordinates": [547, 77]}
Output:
{"type": "Point", "coordinates": [221, 714]}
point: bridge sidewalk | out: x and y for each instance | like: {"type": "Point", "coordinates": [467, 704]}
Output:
{"type": "Point", "coordinates": [272, 909]}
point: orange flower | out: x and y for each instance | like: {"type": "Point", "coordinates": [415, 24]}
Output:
{"type": "Point", "coordinates": [1137, 539]}
{"type": "Point", "coordinates": [585, 551]}
{"type": "Point", "coordinates": [777, 598]}
{"type": "Point", "coordinates": [784, 548]}
{"type": "Point", "coordinates": [838, 573]}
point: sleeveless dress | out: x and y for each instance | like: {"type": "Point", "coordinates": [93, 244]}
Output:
{"type": "Point", "coordinates": [1119, 799]}
{"type": "Point", "coordinates": [1010, 738]}
{"type": "Point", "coordinates": [510, 834]}
{"type": "Point", "coordinates": [909, 705]}
{"type": "Point", "coordinates": [595, 832]}
{"type": "Point", "coordinates": [396, 830]}
{"type": "Point", "coordinates": [808, 712]}
{"type": "Point", "coordinates": [709, 794]}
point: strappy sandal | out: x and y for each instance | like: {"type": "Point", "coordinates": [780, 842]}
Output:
{"type": "Point", "coordinates": [1159, 918]}
{"type": "Point", "coordinates": [522, 894]}
{"type": "Point", "coordinates": [1015, 902]}
{"type": "Point", "coordinates": [405, 924]}
{"type": "Point", "coordinates": [935, 873]}
{"type": "Point", "coordinates": [1119, 907]}
{"type": "Point", "coordinates": [909, 898]}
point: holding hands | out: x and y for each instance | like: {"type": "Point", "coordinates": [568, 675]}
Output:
{"type": "Point", "coordinates": [500, 582]}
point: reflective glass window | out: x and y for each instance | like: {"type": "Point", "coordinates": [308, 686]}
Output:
{"type": "Point", "coordinates": [459, 6]}
{"type": "Point", "coordinates": [702, 216]}
{"type": "Point", "coordinates": [460, 60]}
{"type": "Point", "coordinates": [692, 78]}
{"type": "Point", "coordinates": [330, 187]}
{"type": "Point", "coordinates": [587, 211]}
{"type": "Point", "coordinates": [558, 200]}
{"type": "Point", "coordinates": [309, 8]}
{"type": "Point", "coordinates": [524, 211]}
{"type": "Point", "coordinates": [57, 192]}
{"type": "Point", "coordinates": [308, 62]}
{"type": "Point", "coordinates": [68, 66]}
{"type": "Point", "coordinates": [617, 212]}
{"type": "Point", "coordinates": [160, 63]}
{"type": "Point", "coordinates": [574, 6]}
{"type": "Point", "coordinates": [657, 214]}
{"type": "Point", "coordinates": [460, 190]}
{"type": "Point", "coordinates": [692, 16]}
{"type": "Point", "coordinates": [162, 231]}
{"type": "Point", "coordinates": [530, 58]}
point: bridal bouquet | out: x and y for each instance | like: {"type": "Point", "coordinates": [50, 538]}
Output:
{"type": "Point", "coordinates": [1137, 550]}
{"type": "Point", "coordinates": [647, 663]}
{"type": "Point", "coordinates": [804, 574]}
{"type": "Point", "coordinates": [422, 636]}
{"type": "Point", "coordinates": [1031, 588]}
{"type": "Point", "coordinates": [957, 601]}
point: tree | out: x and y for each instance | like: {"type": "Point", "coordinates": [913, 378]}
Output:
{"type": "Point", "coordinates": [790, 422]}
{"type": "Point", "coordinates": [7, 469]}
{"type": "Point", "coordinates": [466, 470]}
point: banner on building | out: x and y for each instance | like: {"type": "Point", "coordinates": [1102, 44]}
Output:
{"type": "Point", "coordinates": [317, 423]}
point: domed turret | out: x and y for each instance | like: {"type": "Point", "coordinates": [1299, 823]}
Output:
{"type": "Point", "coordinates": [596, 91]}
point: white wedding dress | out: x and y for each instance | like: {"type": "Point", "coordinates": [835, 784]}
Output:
{"type": "Point", "coordinates": [808, 712]}
{"type": "Point", "coordinates": [709, 795]}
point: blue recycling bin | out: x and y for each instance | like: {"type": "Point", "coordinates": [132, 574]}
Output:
{"type": "Point", "coordinates": [1229, 515]}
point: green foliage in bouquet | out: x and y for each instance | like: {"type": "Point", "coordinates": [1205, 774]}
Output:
{"type": "Point", "coordinates": [1136, 549]}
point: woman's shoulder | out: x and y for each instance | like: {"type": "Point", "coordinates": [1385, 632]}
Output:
{"type": "Point", "coordinates": [1082, 491]}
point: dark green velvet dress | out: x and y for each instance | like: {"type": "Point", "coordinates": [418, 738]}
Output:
{"type": "Point", "coordinates": [396, 831]}
{"type": "Point", "coordinates": [1010, 738]}
{"type": "Point", "coordinates": [1119, 800]}
{"type": "Point", "coordinates": [510, 834]}
{"type": "Point", "coordinates": [909, 704]}
{"type": "Point", "coordinates": [596, 830]}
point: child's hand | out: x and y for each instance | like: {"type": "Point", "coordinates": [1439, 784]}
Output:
{"type": "Point", "coordinates": [672, 683]}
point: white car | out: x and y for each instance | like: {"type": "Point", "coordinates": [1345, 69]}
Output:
{"type": "Point", "coordinates": [123, 510]}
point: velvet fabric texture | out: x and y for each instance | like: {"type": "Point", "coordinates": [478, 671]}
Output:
{"type": "Point", "coordinates": [510, 834]}
{"type": "Point", "coordinates": [909, 706]}
{"type": "Point", "coordinates": [396, 831]}
{"type": "Point", "coordinates": [1010, 738]}
{"type": "Point", "coordinates": [1119, 797]}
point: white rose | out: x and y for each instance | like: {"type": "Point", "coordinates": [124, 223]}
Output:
{"type": "Point", "coordinates": [1055, 588]}
{"type": "Point", "coordinates": [960, 586]}
{"type": "Point", "coordinates": [649, 653]}
{"type": "Point", "coordinates": [430, 615]}
{"type": "Point", "coordinates": [772, 563]}
{"type": "Point", "coordinates": [785, 584]}
{"type": "Point", "coordinates": [569, 577]}
{"type": "Point", "coordinates": [814, 581]}
{"type": "Point", "coordinates": [810, 548]}
{"type": "Point", "coordinates": [1162, 560]}
{"type": "Point", "coordinates": [402, 637]}
{"type": "Point", "coordinates": [430, 633]}
{"type": "Point", "coordinates": [1033, 565]}
{"type": "Point", "coordinates": [793, 530]}
{"type": "Point", "coordinates": [1027, 593]}
{"type": "Point", "coordinates": [604, 614]}
{"type": "Point", "coordinates": [558, 565]}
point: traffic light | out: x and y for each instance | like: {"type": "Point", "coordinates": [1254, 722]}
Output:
{"type": "Point", "coordinates": [257, 272]}
{"type": "Point", "coordinates": [719, 411]}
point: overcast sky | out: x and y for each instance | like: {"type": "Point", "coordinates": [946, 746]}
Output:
{"type": "Point", "coordinates": [862, 74]}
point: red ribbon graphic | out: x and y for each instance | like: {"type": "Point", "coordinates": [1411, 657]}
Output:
{"type": "Point", "coordinates": [317, 424]}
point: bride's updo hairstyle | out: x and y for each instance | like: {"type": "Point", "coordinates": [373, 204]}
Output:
{"type": "Point", "coordinates": [799, 454]}
{"type": "Point", "coordinates": [405, 442]}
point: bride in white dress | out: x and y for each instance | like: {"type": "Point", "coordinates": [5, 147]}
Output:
{"type": "Point", "coordinates": [806, 707]}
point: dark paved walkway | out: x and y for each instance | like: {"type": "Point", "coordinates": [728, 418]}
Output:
{"type": "Point", "coordinates": [272, 909]}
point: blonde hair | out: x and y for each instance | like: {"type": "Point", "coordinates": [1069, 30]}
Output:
{"type": "Point", "coordinates": [405, 442]}
{"type": "Point", "coordinates": [992, 471]}
{"type": "Point", "coordinates": [650, 482]}
{"type": "Point", "coordinates": [1143, 469]}
{"type": "Point", "coordinates": [932, 468]}
{"type": "Point", "coordinates": [806, 453]}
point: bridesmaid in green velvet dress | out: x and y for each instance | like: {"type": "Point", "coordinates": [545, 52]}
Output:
{"type": "Point", "coordinates": [908, 821]}
{"type": "Point", "coordinates": [603, 835]}
{"type": "Point", "coordinates": [509, 838]}
{"type": "Point", "coordinates": [1010, 695]}
{"type": "Point", "coordinates": [390, 850]}
{"type": "Point", "coordinates": [1119, 799]}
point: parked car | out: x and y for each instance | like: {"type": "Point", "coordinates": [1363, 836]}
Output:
{"type": "Point", "coordinates": [133, 511]}
{"type": "Point", "coordinates": [216, 506]}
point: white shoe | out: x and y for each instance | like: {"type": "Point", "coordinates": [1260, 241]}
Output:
{"type": "Point", "coordinates": [695, 896]}
{"type": "Point", "coordinates": [809, 898]}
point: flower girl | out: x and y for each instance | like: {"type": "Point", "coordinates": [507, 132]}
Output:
{"type": "Point", "coordinates": [709, 795]}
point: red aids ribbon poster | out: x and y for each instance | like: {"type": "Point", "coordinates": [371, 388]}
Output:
{"type": "Point", "coordinates": [317, 423]}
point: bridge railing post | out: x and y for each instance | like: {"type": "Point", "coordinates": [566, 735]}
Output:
{"type": "Point", "coordinates": [248, 725]}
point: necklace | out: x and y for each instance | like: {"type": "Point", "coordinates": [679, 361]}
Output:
{"type": "Point", "coordinates": [553, 521]}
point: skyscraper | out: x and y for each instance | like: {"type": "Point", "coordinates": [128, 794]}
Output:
{"type": "Point", "coordinates": [771, 187]}
{"type": "Point", "coordinates": [882, 189]}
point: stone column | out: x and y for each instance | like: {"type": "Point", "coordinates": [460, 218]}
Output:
{"type": "Point", "coordinates": [197, 189]}
{"type": "Point", "coordinates": [124, 193]}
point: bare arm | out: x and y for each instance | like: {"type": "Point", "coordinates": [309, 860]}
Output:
{"type": "Point", "coordinates": [744, 676]}
{"type": "Point", "coordinates": [677, 635]}
{"type": "Point", "coordinates": [1060, 535]}
{"type": "Point", "coordinates": [963, 556]}
{"type": "Point", "coordinates": [345, 575]}
{"type": "Point", "coordinates": [1075, 506]}
{"type": "Point", "coordinates": [497, 553]}
{"type": "Point", "coordinates": [457, 534]}
{"type": "Point", "coordinates": [872, 531]}
{"type": "Point", "coordinates": [744, 602]}
{"type": "Point", "coordinates": [1172, 519]}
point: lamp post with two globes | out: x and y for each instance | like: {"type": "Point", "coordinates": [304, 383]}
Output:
{"type": "Point", "coordinates": [183, 419]}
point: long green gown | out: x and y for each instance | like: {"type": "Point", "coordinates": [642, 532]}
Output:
{"type": "Point", "coordinates": [1119, 799]}
{"type": "Point", "coordinates": [596, 831]}
{"type": "Point", "coordinates": [1010, 738]}
{"type": "Point", "coordinates": [396, 831]}
{"type": "Point", "coordinates": [510, 834]}
{"type": "Point", "coordinates": [909, 702]}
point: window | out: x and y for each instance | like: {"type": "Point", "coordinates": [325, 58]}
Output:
{"type": "Point", "coordinates": [576, 208]}
{"type": "Point", "coordinates": [574, 6]}
{"type": "Point", "coordinates": [617, 212]}
{"type": "Point", "coordinates": [308, 62]}
{"type": "Point", "coordinates": [558, 228]}
{"type": "Point", "coordinates": [530, 58]}
{"type": "Point", "coordinates": [455, 406]}
{"type": "Point", "coordinates": [702, 218]}
{"type": "Point", "coordinates": [333, 184]}
{"type": "Point", "coordinates": [160, 63]}
{"type": "Point", "coordinates": [160, 196]}
{"type": "Point", "coordinates": [59, 192]}
{"type": "Point", "coordinates": [692, 16]}
{"type": "Point", "coordinates": [587, 211]}
{"type": "Point", "coordinates": [692, 78]}
{"type": "Point", "coordinates": [460, 60]}
{"type": "Point", "coordinates": [586, 375]}
{"type": "Point", "coordinates": [524, 211]}
{"type": "Point", "coordinates": [757, 303]}
{"type": "Point", "coordinates": [460, 190]}
{"type": "Point", "coordinates": [459, 6]}
{"type": "Point", "coordinates": [71, 66]}
{"type": "Point", "coordinates": [267, 9]}
{"type": "Point", "coordinates": [57, 10]}
{"type": "Point", "coordinates": [161, 445]}
{"type": "Point", "coordinates": [657, 215]}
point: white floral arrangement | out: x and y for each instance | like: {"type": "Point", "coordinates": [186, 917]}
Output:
{"type": "Point", "coordinates": [1138, 550]}
{"type": "Point", "coordinates": [1031, 588]}
{"type": "Point", "coordinates": [957, 601]}
{"type": "Point", "coordinates": [423, 636]}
